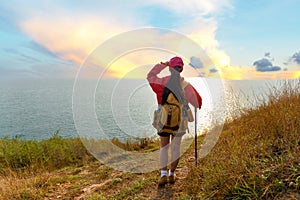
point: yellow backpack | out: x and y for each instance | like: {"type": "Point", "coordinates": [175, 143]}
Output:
{"type": "Point", "coordinates": [171, 117]}
{"type": "Point", "coordinates": [171, 114]}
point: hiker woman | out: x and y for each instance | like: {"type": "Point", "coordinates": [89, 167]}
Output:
{"type": "Point", "coordinates": [163, 87]}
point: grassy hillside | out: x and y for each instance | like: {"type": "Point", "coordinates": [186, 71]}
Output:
{"type": "Point", "coordinates": [256, 157]}
{"type": "Point", "coordinates": [258, 153]}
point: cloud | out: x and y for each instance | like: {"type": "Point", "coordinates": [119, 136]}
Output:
{"type": "Point", "coordinates": [31, 53]}
{"type": "Point", "coordinates": [21, 55]}
{"type": "Point", "coordinates": [196, 62]}
{"type": "Point", "coordinates": [32, 45]}
{"type": "Point", "coordinates": [293, 62]}
{"type": "Point", "coordinates": [296, 58]}
{"type": "Point", "coordinates": [203, 31]}
{"type": "Point", "coordinates": [213, 70]}
{"type": "Point", "coordinates": [67, 30]}
{"type": "Point", "coordinates": [71, 39]}
{"type": "Point", "coordinates": [268, 54]}
{"type": "Point", "coordinates": [275, 68]}
{"type": "Point", "coordinates": [265, 65]}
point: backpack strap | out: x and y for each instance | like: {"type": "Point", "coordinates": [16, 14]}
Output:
{"type": "Point", "coordinates": [183, 85]}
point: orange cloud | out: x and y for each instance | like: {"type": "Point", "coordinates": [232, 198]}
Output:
{"type": "Point", "coordinates": [71, 39]}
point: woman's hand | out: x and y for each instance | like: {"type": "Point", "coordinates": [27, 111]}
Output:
{"type": "Point", "coordinates": [165, 63]}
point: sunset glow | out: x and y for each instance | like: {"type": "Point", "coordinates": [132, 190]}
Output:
{"type": "Point", "coordinates": [57, 37]}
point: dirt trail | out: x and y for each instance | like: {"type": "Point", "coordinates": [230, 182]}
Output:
{"type": "Point", "coordinates": [97, 181]}
{"type": "Point", "coordinates": [150, 189]}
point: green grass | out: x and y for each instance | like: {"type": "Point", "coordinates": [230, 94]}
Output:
{"type": "Point", "coordinates": [18, 154]}
{"type": "Point", "coordinates": [257, 154]}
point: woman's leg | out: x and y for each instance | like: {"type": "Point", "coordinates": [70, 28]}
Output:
{"type": "Point", "coordinates": [164, 147]}
{"type": "Point", "coordinates": [175, 149]}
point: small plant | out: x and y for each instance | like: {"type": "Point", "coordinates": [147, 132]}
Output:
{"type": "Point", "coordinates": [116, 180]}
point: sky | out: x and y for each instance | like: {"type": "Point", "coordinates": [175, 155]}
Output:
{"type": "Point", "coordinates": [244, 39]}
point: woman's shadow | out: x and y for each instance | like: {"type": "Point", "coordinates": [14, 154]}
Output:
{"type": "Point", "coordinates": [164, 192]}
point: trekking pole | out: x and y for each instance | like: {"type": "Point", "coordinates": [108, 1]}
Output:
{"type": "Point", "coordinates": [196, 156]}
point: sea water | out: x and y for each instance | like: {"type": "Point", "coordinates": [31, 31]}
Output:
{"type": "Point", "coordinates": [37, 108]}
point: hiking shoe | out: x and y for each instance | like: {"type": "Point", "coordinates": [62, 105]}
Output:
{"type": "Point", "coordinates": [172, 179]}
{"type": "Point", "coordinates": [163, 181]}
